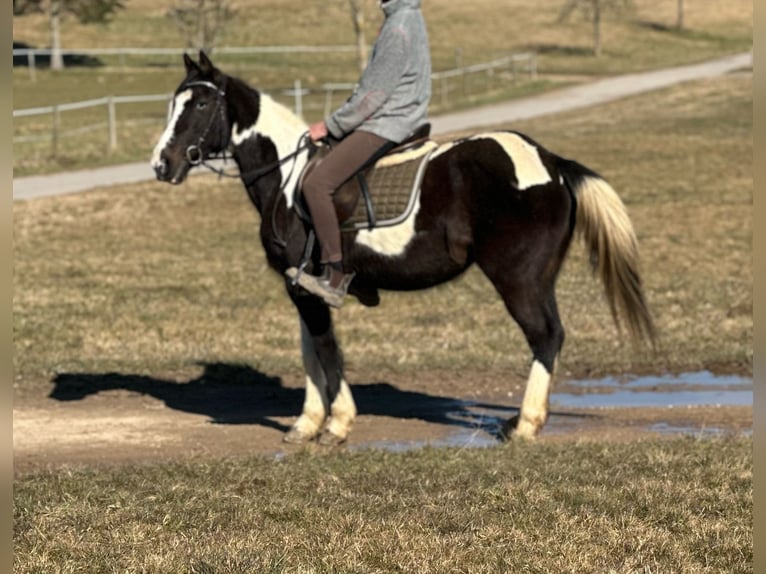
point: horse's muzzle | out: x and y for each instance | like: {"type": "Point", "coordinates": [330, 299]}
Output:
{"type": "Point", "coordinates": [161, 170]}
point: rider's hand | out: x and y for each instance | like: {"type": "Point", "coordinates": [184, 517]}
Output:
{"type": "Point", "coordinates": [318, 131]}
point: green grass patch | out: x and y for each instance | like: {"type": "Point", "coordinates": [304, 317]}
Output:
{"type": "Point", "coordinates": [680, 505]}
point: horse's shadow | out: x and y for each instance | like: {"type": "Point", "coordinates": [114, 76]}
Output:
{"type": "Point", "coordinates": [239, 394]}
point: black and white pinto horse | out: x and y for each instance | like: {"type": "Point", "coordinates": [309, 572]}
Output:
{"type": "Point", "coordinates": [497, 199]}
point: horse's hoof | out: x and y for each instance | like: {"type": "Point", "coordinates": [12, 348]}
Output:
{"type": "Point", "coordinates": [329, 438]}
{"type": "Point", "coordinates": [295, 436]}
{"type": "Point", "coordinates": [508, 428]}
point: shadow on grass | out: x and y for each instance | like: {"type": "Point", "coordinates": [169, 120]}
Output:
{"type": "Point", "coordinates": [238, 394]}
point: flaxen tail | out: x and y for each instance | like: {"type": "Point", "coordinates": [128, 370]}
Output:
{"type": "Point", "coordinates": [603, 223]}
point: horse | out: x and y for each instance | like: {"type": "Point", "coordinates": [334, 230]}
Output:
{"type": "Point", "coordinates": [496, 199]}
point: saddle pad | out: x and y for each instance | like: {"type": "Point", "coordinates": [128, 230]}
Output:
{"type": "Point", "coordinates": [394, 184]}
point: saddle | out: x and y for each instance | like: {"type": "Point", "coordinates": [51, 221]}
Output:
{"type": "Point", "coordinates": [383, 192]}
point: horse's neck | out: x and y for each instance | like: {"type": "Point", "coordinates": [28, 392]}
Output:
{"type": "Point", "coordinates": [276, 125]}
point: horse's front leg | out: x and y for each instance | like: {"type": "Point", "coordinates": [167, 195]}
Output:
{"type": "Point", "coordinates": [327, 392]}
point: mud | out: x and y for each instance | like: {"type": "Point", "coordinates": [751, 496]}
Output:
{"type": "Point", "coordinates": [92, 420]}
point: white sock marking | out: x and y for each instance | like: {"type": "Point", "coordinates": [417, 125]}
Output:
{"type": "Point", "coordinates": [343, 412]}
{"type": "Point", "coordinates": [534, 407]}
{"type": "Point", "coordinates": [313, 415]}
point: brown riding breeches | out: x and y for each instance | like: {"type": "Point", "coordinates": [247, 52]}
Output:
{"type": "Point", "coordinates": [343, 161]}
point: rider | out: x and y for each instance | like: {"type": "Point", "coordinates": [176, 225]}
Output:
{"type": "Point", "coordinates": [389, 102]}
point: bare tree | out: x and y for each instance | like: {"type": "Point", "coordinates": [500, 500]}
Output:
{"type": "Point", "coordinates": [201, 22]}
{"type": "Point", "coordinates": [357, 17]}
{"type": "Point", "coordinates": [359, 10]}
{"type": "Point", "coordinates": [680, 15]}
{"type": "Point", "coordinates": [593, 10]}
{"type": "Point", "coordinates": [86, 11]}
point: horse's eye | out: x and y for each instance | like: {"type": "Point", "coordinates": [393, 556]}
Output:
{"type": "Point", "coordinates": [201, 105]}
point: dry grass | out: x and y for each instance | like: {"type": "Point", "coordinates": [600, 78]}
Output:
{"type": "Point", "coordinates": [149, 278]}
{"type": "Point", "coordinates": [681, 505]}
{"type": "Point", "coordinates": [480, 31]}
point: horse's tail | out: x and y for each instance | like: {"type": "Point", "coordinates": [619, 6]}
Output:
{"type": "Point", "coordinates": [603, 223]}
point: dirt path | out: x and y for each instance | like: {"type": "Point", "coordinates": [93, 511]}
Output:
{"type": "Point", "coordinates": [110, 419]}
{"type": "Point", "coordinates": [579, 96]}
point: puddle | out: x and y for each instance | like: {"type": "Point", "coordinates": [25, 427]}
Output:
{"type": "Point", "coordinates": [668, 429]}
{"type": "Point", "coordinates": [478, 424]}
{"type": "Point", "coordinates": [685, 390]}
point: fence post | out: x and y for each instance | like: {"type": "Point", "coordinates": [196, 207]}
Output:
{"type": "Point", "coordinates": [327, 101]}
{"type": "Point", "coordinates": [112, 122]}
{"type": "Point", "coordinates": [444, 90]}
{"type": "Point", "coordinates": [31, 65]}
{"type": "Point", "coordinates": [298, 99]}
{"type": "Point", "coordinates": [513, 69]}
{"type": "Point", "coordinates": [56, 129]}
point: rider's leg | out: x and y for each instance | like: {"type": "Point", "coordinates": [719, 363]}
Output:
{"type": "Point", "coordinates": [343, 161]}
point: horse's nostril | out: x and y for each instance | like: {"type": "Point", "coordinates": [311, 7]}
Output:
{"type": "Point", "coordinates": [161, 169]}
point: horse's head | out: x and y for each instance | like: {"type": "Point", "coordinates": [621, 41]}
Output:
{"type": "Point", "coordinates": [197, 122]}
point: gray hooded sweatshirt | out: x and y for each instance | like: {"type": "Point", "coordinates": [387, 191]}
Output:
{"type": "Point", "coordinates": [391, 98]}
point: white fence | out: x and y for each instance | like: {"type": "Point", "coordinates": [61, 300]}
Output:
{"type": "Point", "coordinates": [457, 83]}
{"type": "Point", "coordinates": [33, 55]}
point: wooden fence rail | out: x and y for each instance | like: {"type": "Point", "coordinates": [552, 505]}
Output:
{"type": "Point", "coordinates": [445, 85]}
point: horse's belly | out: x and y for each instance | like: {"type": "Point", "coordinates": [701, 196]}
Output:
{"type": "Point", "coordinates": [422, 262]}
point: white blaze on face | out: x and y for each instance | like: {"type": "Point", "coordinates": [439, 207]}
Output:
{"type": "Point", "coordinates": [177, 108]}
{"type": "Point", "coordinates": [529, 168]}
{"type": "Point", "coordinates": [284, 129]}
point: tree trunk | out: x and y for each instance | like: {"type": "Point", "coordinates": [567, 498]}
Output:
{"type": "Point", "coordinates": [680, 16]}
{"type": "Point", "coordinates": [357, 16]}
{"type": "Point", "coordinates": [57, 59]}
{"type": "Point", "coordinates": [596, 28]}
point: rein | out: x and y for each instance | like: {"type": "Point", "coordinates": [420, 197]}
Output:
{"type": "Point", "coordinates": [196, 157]}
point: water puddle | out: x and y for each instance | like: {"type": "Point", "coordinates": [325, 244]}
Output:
{"type": "Point", "coordinates": [685, 390]}
{"type": "Point", "coordinates": [478, 425]}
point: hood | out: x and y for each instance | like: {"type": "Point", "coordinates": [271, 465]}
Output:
{"type": "Point", "coordinates": [394, 5]}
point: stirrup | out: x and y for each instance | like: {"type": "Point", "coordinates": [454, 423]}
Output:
{"type": "Point", "coordinates": [320, 286]}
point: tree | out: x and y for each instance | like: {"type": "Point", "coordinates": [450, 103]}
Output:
{"type": "Point", "coordinates": [359, 11]}
{"type": "Point", "coordinates": [593, 11]}
{"type": "Point", "coordinates": [357, 17]}
{"type": "Point", "coordinates": [201, 22]}
{"type": "Point", "coordinates": [680, 15]}
{"type": "Point", "coordinates": [86, 11]}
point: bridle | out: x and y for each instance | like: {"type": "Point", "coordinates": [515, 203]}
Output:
{"type": "Point", "coordinates": [195, 156]}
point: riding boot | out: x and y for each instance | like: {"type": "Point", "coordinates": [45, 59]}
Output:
{"type": "Point", "coordinates": [331, 286]}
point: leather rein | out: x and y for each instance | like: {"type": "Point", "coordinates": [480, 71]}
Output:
{"type": "Point", "coordinates": [195, 156]}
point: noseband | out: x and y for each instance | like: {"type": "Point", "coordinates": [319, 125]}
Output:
{"type": "Point", "coordinates": [194, 154]}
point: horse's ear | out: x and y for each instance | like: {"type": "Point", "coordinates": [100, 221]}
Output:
{"type": "Point", "coordinates": [205, 64]}
{"type": "Point", "coordinates": [190, 64]}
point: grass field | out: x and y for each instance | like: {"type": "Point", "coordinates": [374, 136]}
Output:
{"type": "Point", "coordinates": [681, 505]}
{"type": "Point", "coordinates": [149, 278]}
{"type": "Point", "coordinates": [639, 40]}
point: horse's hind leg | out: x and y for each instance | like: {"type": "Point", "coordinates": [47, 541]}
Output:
{"type": "Point", "coordinates": [538, 318]}
{"type": "Point", "coordinates": [534, 308]}
{"type": "Point", "coordinates": [327, 392]}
